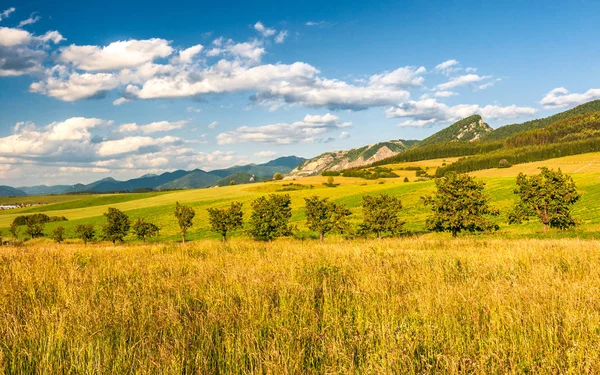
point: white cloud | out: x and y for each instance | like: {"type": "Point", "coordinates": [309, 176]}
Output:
{"type": "Point", "coordinates": [153, 127]}
{"type": "Point", "coordinates": [213, 125]}
{"type": "Point", "coordinates": [29, 21]}
{"type": "Point", "coordinates": [445, 94]}
{"type": "Point", "coordinates": [117, 55]}
{"type": "Point", "coordinates": [561, 98]}
{"type": "Point", "coordinates": [447, 67]}
{"type": "Point", "coordinates": [429, 111]}
{"type": "Point", "coordinates": [251, 52]}
{"type": "Point", "coordinates": [265, 154]}
{"type": "Point", "coordinates": [406, 77]}
{"type": "Point", "coordinates": [6, 13]}
{"type": "Point", "coordinates": [306, 131]}
{"type": "Point", "coordinates": [461, 81]}
{"type": "Point", "coordinates": [186, 55]}
{"type": "Point", "coordinates": [14, 37]}
{"type": "Point", "coordinates": [120, 101]}
{"type": "Point", "coordinates": [264, 31]}
{"type": "Point", "coordinates": [132, 144]}
{"type": "Point", "coordinates": [318, 23]}
{"type": "Point", "coordinates": [417, 123]}
{"type": "Point", "coordinates": [280, 38]}
{"type": "Point", "coordinates": [344, 135]}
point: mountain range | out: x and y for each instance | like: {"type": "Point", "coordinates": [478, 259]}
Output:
{"type": "Point", "coordinates": [169, 180]}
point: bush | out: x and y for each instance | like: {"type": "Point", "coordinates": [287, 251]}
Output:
{"type": "Point", "coordinates": [504, 164]}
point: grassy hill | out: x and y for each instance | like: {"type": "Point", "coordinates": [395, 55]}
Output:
{"type": "Point", "coordinates": [158, 207]}
{"type": "Point", "coordinates": [7, 191]}
{"type": "Point", "coordinates": [507, 131]}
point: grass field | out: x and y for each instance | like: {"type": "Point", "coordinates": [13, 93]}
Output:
{"type": "Point", "coordinates": [159, 207]}
{"type": "Point", "coordinates": [401, 306]}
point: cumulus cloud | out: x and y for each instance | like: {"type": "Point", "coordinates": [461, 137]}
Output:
{"type": "Point", "coordinates": [263, 30]}
{"type": "Point", "coordinates": [132, 144]}
{"type": "Point", "coordinates": [344, 135]}
{"type": "Point", "coordinates": [153, 127]}
{"type": "Point", "coordinates": [560, 97]}
{"type": "Point", "coordinates": [265, 154]}
{"type": "Point", "coordinates": [117, 55]}
{"type": "Point", "coordinates": [306, 131]}
{"type": "Point", "coordinates": [406, 77]}
{"type": "Point", "coordinates": [14, 37]}
{"type": "Point", "coordinates": [213, 125]}
{"type": "Point", "coordinates": [186, 56]}
{"type": "Point", "coordinates": [447, 67]}
{"type": "Point", "coordinates": [430, 111]}
{"type": "Point", "coordinates": [461, 81]}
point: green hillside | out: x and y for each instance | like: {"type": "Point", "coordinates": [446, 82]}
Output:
{"type": "Point", "coordinates": [506, 131]}
{"type": "Point", "coordinates": [469, 129]}
{"type": "Point", "coordinates": [7, 191]}
{"type": "Point", "coordinates": [191, 180]}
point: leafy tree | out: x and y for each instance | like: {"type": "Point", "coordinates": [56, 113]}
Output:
{"type": "Point", "coordinates": [143, 229]}
{"type": "Point", "coordinates": [323, 216]}
{"type": "Point", "coordinates": [381, 214]}
{"type": "Point", "coordinates": [277, 176]}
{"type": "Point", "coordinates": [232, 182]}
{"type": "Point", "coordinates": [14, 230]}
{"type": "Point", "coordinates": [406, 179]}
{"type": "Point", "coordinates": [117, 227]}
{"type": "Point", "coordinates": [270, 217]}
{"type": "Point", "coordinates": [85, 232]}
{"type": "Point", "coordinates": [459, 204]}
{"type": "Point", "coordinates": [546, 196]}
{"type": "Point", "coordinates": [34, 228]}
{"type": "Point", "coordinates": [226, 219]}
{"type": "Point", "coordinates": [184, 215]}
{"type": "Point", "coordinates": [58, 234]}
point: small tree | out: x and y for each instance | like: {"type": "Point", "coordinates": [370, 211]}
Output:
{"type": "Point", "coordinates": [14, 230]}
{"type": "Point", "coordinates": [58, 234]}
{"type": "Point", "coordinates": [270, 217]}
{"type": "Point", "coordinates": [381, 215]}
{"type": "Point", "coordinates": [547, 196]}
{"type": "Point", "coordinates": [277, 176]}
{"type": "Point", "coordinates": [323, 216]}
{"type": "Point", "coordinates": [85, 232]}
{"type": "Point", "coordinates": [226, 219]}
{"type": "Point", "coordinates": [117, 226]}
{"type": "Point", "coordinates": [459, 204]}
{"type": "Point", "coordinates": [184, 215]}
{"type": "Point", "coordinates": [143, 229]}
{"type": "Point", "coordinates": [34, 228]}
{"type": "Point", "coordinates": [406, 179]}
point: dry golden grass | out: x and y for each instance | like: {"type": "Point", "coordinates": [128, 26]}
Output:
{"type": "Point", "coordinates": [403, 306]}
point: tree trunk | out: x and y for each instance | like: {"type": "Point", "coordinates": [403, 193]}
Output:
{"type": "Point", "coordinates": [224, 237]}
{"type": "Point", "coordinates": [378, 234]}
{"type": "Point", "coordinates": [321, 237]}
{"type": "Point", "coordinates": [454, 233]}
{"type": "Point", "coordinates": [183, 237]}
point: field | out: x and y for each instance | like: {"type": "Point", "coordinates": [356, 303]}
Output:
{"type": "Point", "coordinates": [159, 207]}
{"type": "Point", "coordinates": [513, 302]}
{"type": "Point", "coordinates": [402, 306]}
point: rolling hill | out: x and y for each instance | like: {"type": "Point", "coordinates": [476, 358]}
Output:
{"type": "Point", "coordinates": [7, 191]}
{"type": "Point", "coordinates": [171, 180]}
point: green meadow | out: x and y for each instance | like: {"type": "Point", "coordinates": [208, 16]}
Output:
{"type": "Point", "coordinates": [158, 207]}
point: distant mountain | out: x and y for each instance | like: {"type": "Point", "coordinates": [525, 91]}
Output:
{"type": "Point", "coordinates": [45, 190]}
{"type": "Point", "coordinates": [469, 129]}
{"type": "Point", "coordinates": [357, 157]}
{"type": "Point", "coordinates": [175, 180]}
{"type": "Point", "coordinates": [506, 131]}
{"type": "Point", "coordinates": [7, 191]}
{"type": "Point", "coordinates": [282, 165]}
{"type": "Point", "coordinates": [191, 180]}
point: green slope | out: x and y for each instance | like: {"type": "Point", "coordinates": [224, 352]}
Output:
{"type": "Point", "coordinates": [506, 131]}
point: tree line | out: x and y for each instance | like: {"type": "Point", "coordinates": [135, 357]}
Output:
{"type": "Point", "coordinates": [459, 204]}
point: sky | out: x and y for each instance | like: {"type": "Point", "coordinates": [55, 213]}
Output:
{"type": "Point", "coordinates": [106, 88]}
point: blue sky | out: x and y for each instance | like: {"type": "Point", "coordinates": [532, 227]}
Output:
{"type": "Point", "coordinates": [96, 89]}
